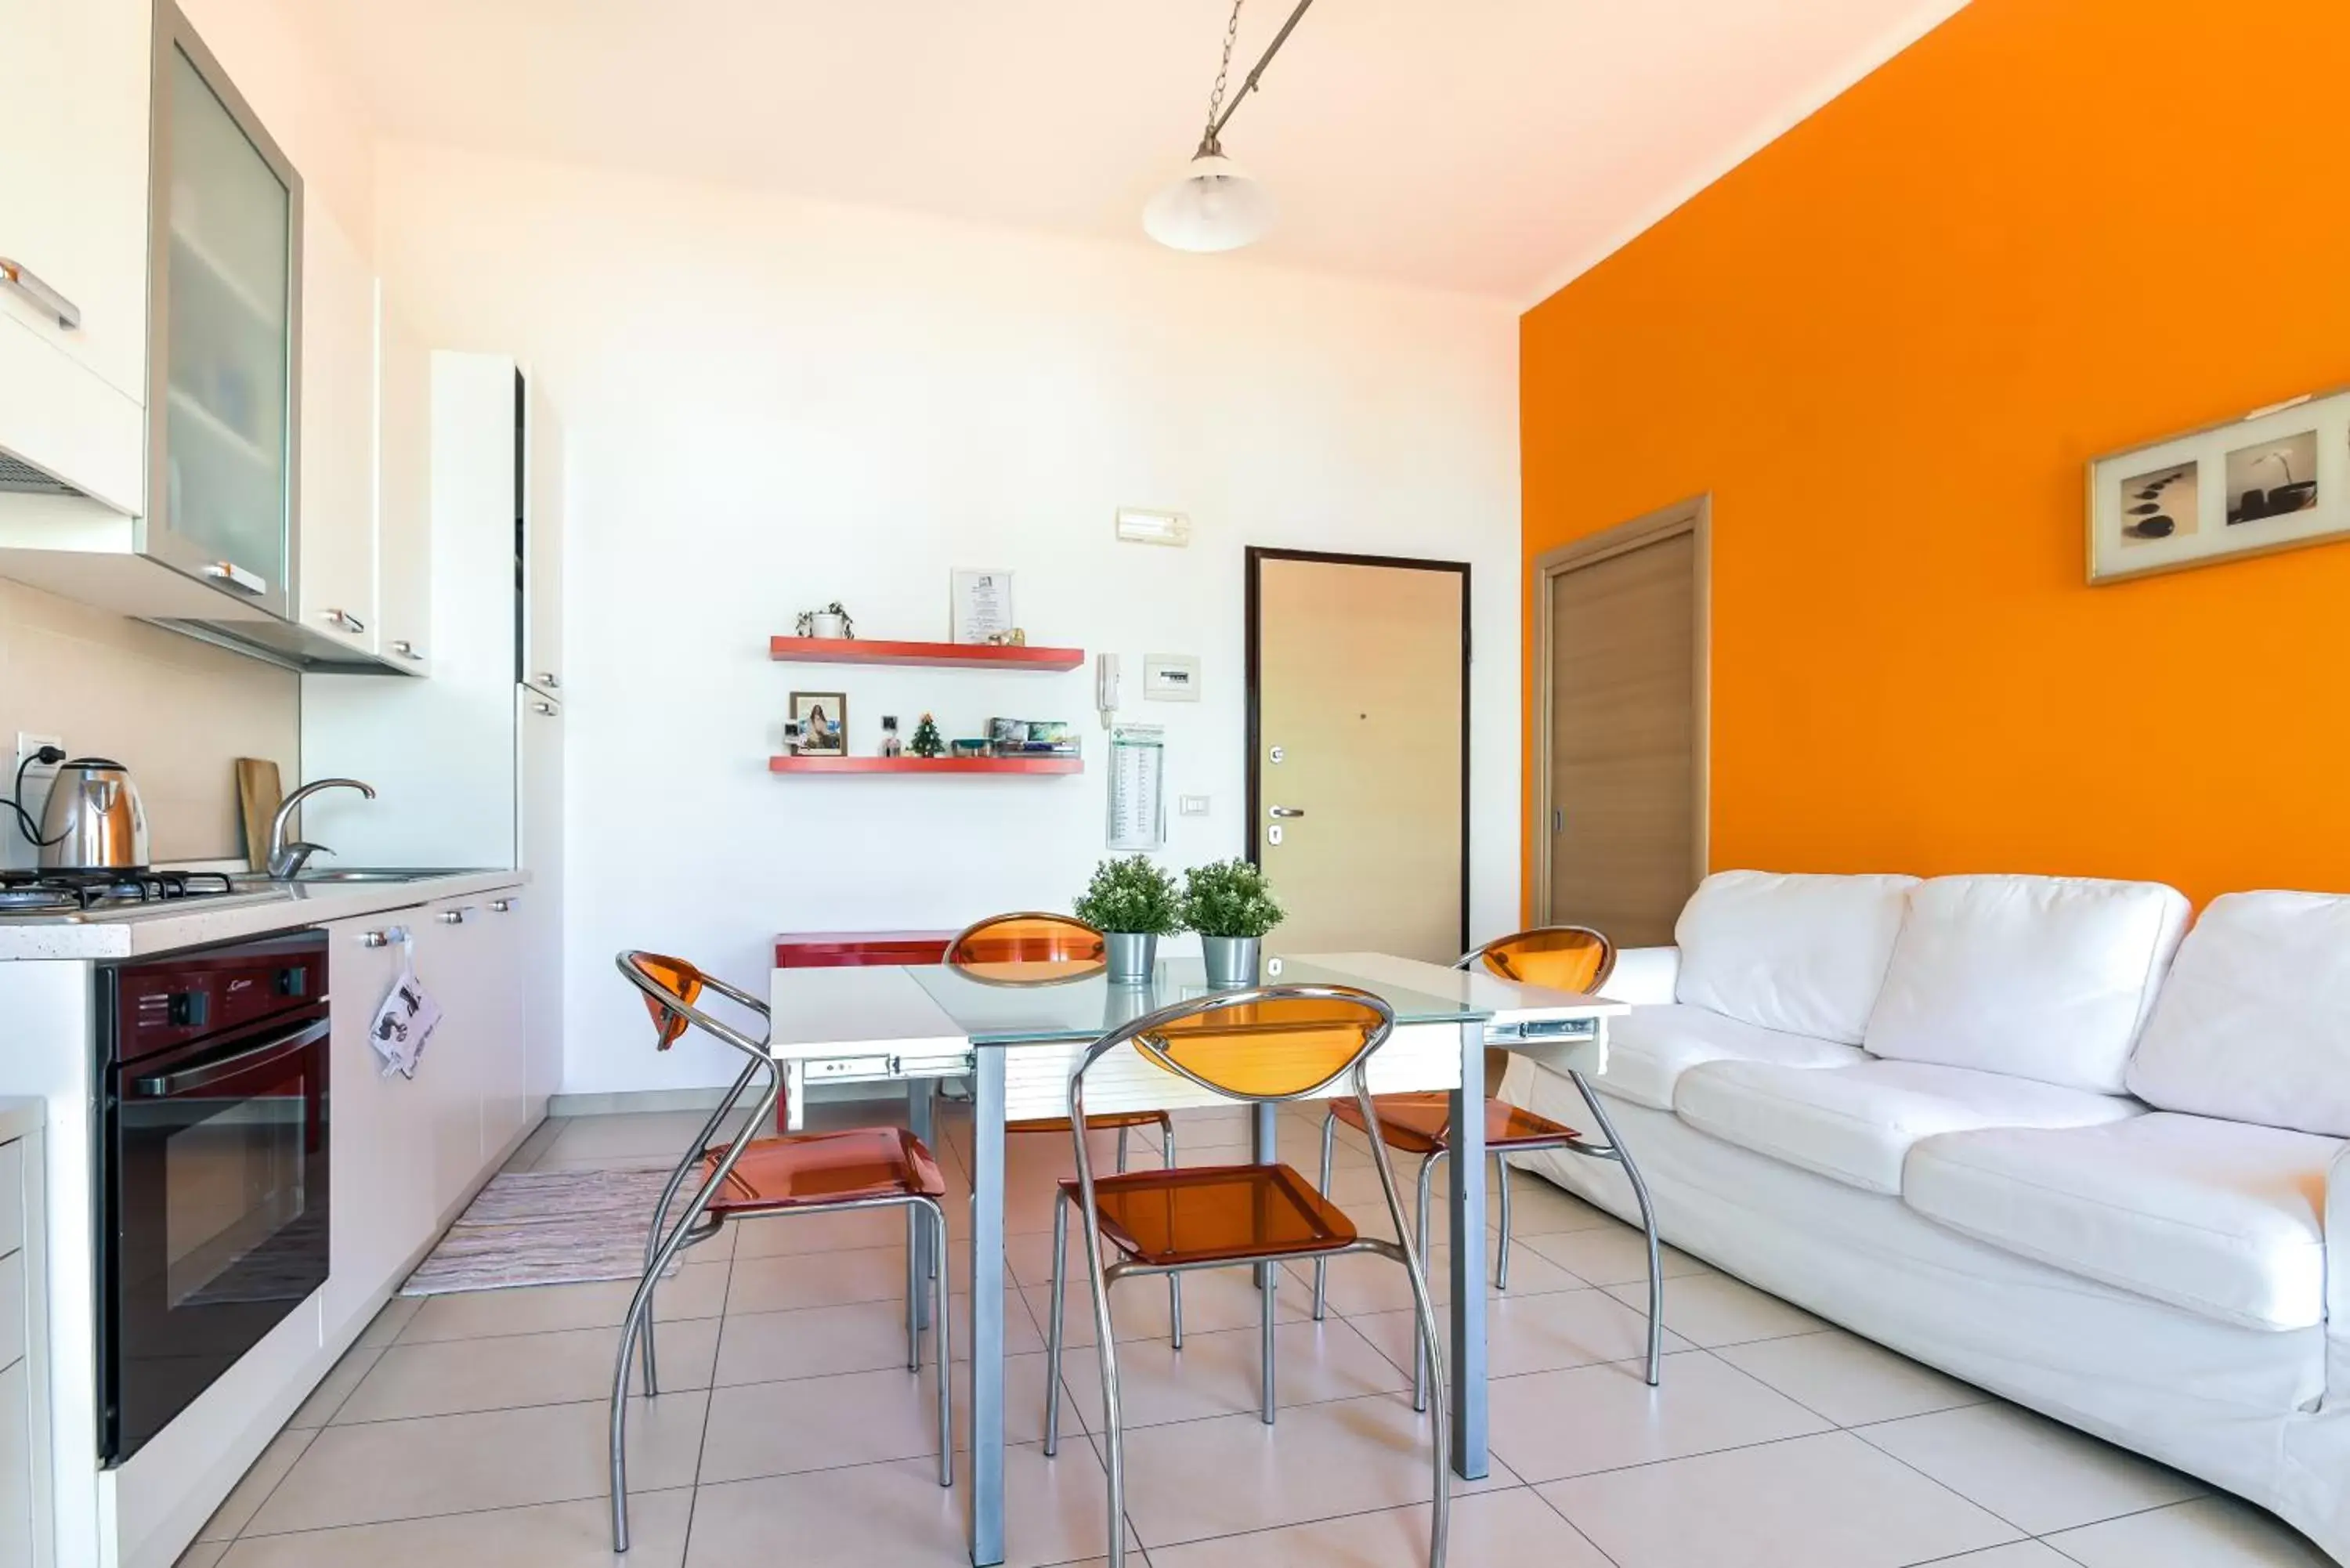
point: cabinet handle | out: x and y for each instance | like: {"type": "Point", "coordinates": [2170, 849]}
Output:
{"type": "Point", "coordinates": [547, 707]}
{"type": "Point", "coordinates": [456, 917]}
{"type": "Point", "coordinates": [503, 906]}
{"type": "Point", "coordinates": [384, 937]}
{"type": "Point", "coordinates": [229, 575]}
{"type": "Point", "coordinates": [548, 681]}
{"type": "Point", "coordinates": [345, 619]}
{"type": "Point", "coordinates": [52, 302]}
{"type": "Point", "coordinates": [408, 650]}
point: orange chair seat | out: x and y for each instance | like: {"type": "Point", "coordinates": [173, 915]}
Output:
{"type": "Point", "coordinates": [806, 1171]}
{"type": "Point", "coordinates": [1214, 1213]}
{"type": "Point", "coordinates": [1112, 1119]}
{"type": "Point", "coordinates": [1422, 1123]}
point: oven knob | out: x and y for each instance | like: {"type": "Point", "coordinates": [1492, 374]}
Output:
{"type": "Point", "coordinates": [190, 1008]}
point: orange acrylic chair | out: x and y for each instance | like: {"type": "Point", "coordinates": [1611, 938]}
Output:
{"type": "Point", "coordinates": [1033, 948]}
{"type": "Point", "coordinates": [1559, 958]}
{"type": "Point", "coordinates": [1259, 1047]}
{"type": "Point", "coordinates": [755, 1177]}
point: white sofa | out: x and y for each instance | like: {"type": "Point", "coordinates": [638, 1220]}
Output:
{"type": "Point", "coordinates": [2033, 1131]}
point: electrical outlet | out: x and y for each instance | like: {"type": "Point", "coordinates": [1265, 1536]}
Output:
{"type": "Point", "coordinates": [27, 744]}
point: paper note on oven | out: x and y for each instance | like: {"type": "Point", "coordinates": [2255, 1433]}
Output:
{"type": "Point", "coordinates": [406, 1021]}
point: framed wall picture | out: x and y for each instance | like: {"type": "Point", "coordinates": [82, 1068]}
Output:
{"type": "Point", "coordinates": [823, 719]}
{"type": "Point", "coordinates": [2277, 479]}
{"type": "Point", "coordinates": [982, 604]}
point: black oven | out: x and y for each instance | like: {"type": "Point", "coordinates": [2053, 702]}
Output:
{"type": "Point", "coordinates": [211, 1164]}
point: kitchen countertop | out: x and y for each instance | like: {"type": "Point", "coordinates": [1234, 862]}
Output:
{"type": "Point", "coordinates": [195, 922]}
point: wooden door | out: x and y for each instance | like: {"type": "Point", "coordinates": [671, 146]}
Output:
{"type": "Point", "coordinates": [1624, 686]}
{"type": "Point", "coordinates": [1358, 773]}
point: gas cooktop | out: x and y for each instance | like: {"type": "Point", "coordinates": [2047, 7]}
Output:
{"type": "Point", "coordinates": [55, 893]}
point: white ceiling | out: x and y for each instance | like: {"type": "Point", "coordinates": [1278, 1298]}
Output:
{"type": "Point", "coordinates": [1494, 146]}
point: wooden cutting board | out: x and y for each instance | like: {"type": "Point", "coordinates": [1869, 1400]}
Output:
{"type": "Point", "coordinates": [258, 796]}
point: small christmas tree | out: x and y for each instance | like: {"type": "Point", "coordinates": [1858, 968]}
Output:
{"type": "Point", "coordinates": [926, 742]}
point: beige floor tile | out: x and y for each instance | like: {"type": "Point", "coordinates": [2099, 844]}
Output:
{"type": "Point", "coordinates": [1712, 1309]}
{"type": "Point", "coordinates": [1534, 1334]}
{"type": "Point", "coordinates": [2035, 1474]}
{"type": "Point", "coordinates": [389, 1323]}
{"type": "Point", "coordinates": [2015, 1554]}
{"type": "Point", "coordinates": [542, 1136]}
{"type": "Point", "coordinates": [203, 1554]}
{"type": "Point", "coordinates": [861, 1336]}
{"type": "Point", "coordinates": [2207, 1532]}
{"type": "Point", "coordinates": [1363, 1284]}
{"type": "Point", "coordinates": [246, 1498]}
{"type": "Point", "coordinates": [1539, 1208]}
{"type": "Point", "coordinates": [1512, 1529]}
{"type": "Point", "coordinates": [452, 1376]}
{"type": "Point", "coordinates": [898, 1516]}
{"type": "Point", "coordinates": [835, 1278]}
{"type": "Point", "coordinates": [328, 1395]}
{"type": "Point", "coordinates": [1214, 1299]}
{"type": "Point", "coordinates": [787, 1235]}
{"type": "Point", "coordinates": [457, 1464]}
{"type": "Point", "coordinates": [1217, 1373]}
{"type": "Point", "coordinates": [555, 1535]}
{"type": "Point", "coordinates": [1847, 1379]}
{"type": "Point", "coordinates": [860, 1418]}
{"type": "Point", "coordinates": [1611, 1254]}
{"type": "Point", "coordinates": [657, 1136]}
{"type": "Point", "coordinates": [1233, 1475]}
{"type": "Point", "coordinates": [1554, 1425]}
{"type": "Point", "coordinates": [697, 1289]}
{"type": "Point", "coordinates": [1826, 1501]}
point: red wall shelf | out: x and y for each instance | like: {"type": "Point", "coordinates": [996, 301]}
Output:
{"type": "Point", "coordinates": [937, 655]}
{"type": "Point", "coordinates": [920, 766]}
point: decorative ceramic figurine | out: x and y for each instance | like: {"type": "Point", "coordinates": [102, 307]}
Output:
{"type": "Point", "coordinates": [890, 746]}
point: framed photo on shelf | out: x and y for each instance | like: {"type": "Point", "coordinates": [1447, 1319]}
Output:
{"type": "Point", "coordinates": [2277, 479]}
{"type": "Point", "coordinates": [982, 605]}
{"type": "Point", "coordinates": [823, 719]}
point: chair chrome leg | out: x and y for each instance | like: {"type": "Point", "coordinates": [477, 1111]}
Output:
{"type": "Point", "coordinates": [1122, 1151]}
{"type": "Point", "coordinates": [1174, 1281]}
{"type": "Point", "coordinates": [1648, 1225]}
{"type": "Point", "coordinates": [938, 1232]}
{"type": "Point", "coordinates": [1418, 1242]}
{"type": "Point", "coordinates": [1322, 1265]}
{"type": "Point", "coordinates": [1501, 1180]}
{"type": "Point", "coordinates": [1265, 1390]}
{"type": "Point", "coordinates": [1053, 1329]}
{"type": "Point", "coordinates": [1113, 1422]}
{"type": "Point", "coordinates": [914, 1251]}
{"type": "Point", "coordinates": [1430, 1354]}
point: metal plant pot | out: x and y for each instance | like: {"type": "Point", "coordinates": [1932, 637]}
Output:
{"type": "Point", "coordinates": [1132, 956]}
{"type": "Point", "coordinates": [1230, 961]}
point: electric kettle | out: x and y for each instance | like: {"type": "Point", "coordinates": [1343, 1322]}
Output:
{"type": "Point", "coordinates": [94, 821]}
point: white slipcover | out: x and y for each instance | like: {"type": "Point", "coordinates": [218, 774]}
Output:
{"type": "Point", "coordinates": [2219, 1217]}
{"type": "Point", "coordinates": [2040, 977]}
{"type": "Point", "coordinates": [1649, 1048]}
{"type": "Point", "coordinates": [2254, 1024]}
{"type": "Point", "coordinates": [1855, 1124]}
{"type": "Point", "coordinates": [1801, 954]}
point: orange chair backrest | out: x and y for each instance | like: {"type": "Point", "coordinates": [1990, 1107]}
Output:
{"type": "Point", "coordinates": [1029, 947]}
{"type": "Point", "coordinates": [1563, 958]}
{"type": "Point", "coordinates": [673, 976]}
{"type": "Point", "coordinates": [1270, 1049]}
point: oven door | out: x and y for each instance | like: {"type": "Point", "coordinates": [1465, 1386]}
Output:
{"type": "Point", "coordinates": [217, 1205]}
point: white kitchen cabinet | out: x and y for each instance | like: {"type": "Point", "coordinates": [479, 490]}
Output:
{"type": "Point", "coordinates": [74, 104]}
{"type": "Point", "coordinates": [468, 955]}
{"type": "Point", "coordinates": [335, 571]}
{"type": "Point", "coordinates": [403, 494]}
{"type": "Point", "coordinates": [380, 1143]}
{"type": "Point", "coordinates": [542, 543]}
{"type": "Point", "coordinates": [539, 726]}
{"type": "Point", "coordinates": [509, 1109]}
{"type": "Point", "coordinates": [25, 1479]}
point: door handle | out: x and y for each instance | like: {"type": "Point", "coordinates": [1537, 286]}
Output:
{"type": "Point", "coordinates": [52, 302]}
{"type": "Point", "coordinates": [407, 651]}
{"type": "Point", "coordinates": [229, 575]}
{"type": "Point", "coordinates": [1285, 811]}
{"type": "Point", "coordinates": [276, 1048]}
{"type": "Point", "coordinates": [345, 619]}
{"type": "Point", "coordinates": [456, 917]}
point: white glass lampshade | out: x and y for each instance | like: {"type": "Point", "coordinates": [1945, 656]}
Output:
{"type": "Point", "coordinates": [1215, 206]}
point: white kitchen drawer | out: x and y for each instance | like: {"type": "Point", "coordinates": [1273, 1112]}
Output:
{"type": "Point", "coordinates": [13, 1306]}
{"type": "Point", "coordinates": [17, 1493]}
{"type": "Point", "coordinates": [12, 1198]}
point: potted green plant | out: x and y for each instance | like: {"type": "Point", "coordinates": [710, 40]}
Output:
{"type": "Point", "coordinates": [1132, 902]}
{"type": "Point", "coordinates": [1228, 903]}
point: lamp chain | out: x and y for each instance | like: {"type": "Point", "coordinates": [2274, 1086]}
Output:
{"type": "Point", "coordinates": [1216, 98]}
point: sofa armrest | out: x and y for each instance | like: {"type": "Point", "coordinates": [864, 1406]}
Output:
{"type": "Point", "coordinates": [1644, 977]}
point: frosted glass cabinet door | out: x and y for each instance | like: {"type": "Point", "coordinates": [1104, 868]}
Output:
{"type": "Point", "coordinates": [227, 219]}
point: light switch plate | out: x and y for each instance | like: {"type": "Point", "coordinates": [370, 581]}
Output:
{"type": "Point", "coordinates": [1170, 678]}
{"type": "Point", "coordinates": [1193, 806]}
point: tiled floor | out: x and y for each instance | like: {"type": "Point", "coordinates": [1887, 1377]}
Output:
{"type": "Point", "coordinates": [468, 1429]}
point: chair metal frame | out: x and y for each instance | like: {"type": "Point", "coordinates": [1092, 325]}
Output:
{"type": "Point", "coordinates": [1144, 1033]}
{"type": "Point", "coordinates": [1613, 1149]}
{"type": "Point", "coordinates": [662, 1247]}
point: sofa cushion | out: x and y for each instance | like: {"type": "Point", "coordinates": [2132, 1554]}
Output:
{"type": "Point", "coordinates": [2254, 1024]}
{"type": "Point", "coordinates": [1801, 954]}
{"type": "Point", "coordinates": [1650, 1047]}
{"type": "Point", "coordinates": [2220, 1217]}
{"type": "Point", "coordinates": [2040, 977]}
{"type": "Point", "coordinates": [1857, 1123]}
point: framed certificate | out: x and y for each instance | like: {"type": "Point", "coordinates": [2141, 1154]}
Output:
{"type": "Point", "coordinates": [982, 605]}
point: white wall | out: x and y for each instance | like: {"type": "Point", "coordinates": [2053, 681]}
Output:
{"type": "Point", "coordinates": [773, 403]}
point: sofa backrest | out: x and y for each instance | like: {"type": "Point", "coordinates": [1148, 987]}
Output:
{"type": "Point", "coordinates": [1803, 954]}
{"type": "Point", "coordinates": [2254, 1024]}
{"type": "Point", "coordinates": [2037, 977]}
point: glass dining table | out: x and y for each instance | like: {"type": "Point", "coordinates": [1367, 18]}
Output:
{"type": "Point", "coordinates": [1016, 1038]}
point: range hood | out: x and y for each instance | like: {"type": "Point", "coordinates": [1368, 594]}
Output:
{"type": "Point", "coordinates": [288, 644]}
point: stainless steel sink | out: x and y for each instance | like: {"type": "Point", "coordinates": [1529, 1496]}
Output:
{"type": "Point", "coordinates": [348, 874]}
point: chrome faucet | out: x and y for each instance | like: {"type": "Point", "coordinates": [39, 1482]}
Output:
{"type": "Point", "coordinates": [285, 860]}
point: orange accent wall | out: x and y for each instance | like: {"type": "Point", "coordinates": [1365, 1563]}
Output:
{"type": "Point", "coordinates": [1889, 345]}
